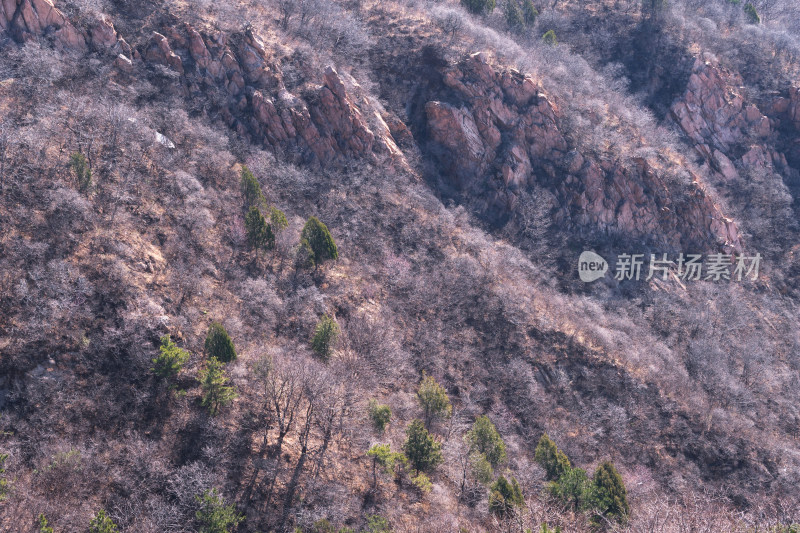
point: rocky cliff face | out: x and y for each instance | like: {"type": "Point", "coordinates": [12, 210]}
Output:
{"type": "Point", "coordinates": [33, 19]}
{"type": "Point", "coordinates": [326, 125]}
{"type": "Point", "coordinates": [500, 125]}
{"type": "Point", "coordinates": [784, 111]}
{"type": "Point", "coordinates": [493, 133]}
{"type": "Point", "coordinates": [724, 127]}
{"type": "Point", "coordinates": [499, 132]}
{"type": "Point", "coordinates": [26, 19]}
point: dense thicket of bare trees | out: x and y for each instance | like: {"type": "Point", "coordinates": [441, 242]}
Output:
{"type": "Point", "coordinates": [692, 392]}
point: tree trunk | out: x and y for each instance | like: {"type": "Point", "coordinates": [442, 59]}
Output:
{"type": "Point", "coordinates": [292, 487]}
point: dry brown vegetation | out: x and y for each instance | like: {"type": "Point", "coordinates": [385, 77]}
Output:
{"type": "Point", "coordinates": [692, 391]}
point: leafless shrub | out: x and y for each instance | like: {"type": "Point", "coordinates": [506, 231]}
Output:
{"type": "Point", "coordinates": [187, 482]}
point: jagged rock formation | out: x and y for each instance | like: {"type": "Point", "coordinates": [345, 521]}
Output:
{"type": "Point", "coordinates": [31, 19]}
{"type": "Point", "coordinates": [25, 19]}
{"type": "Point", "coordinates": [326, 127]}
{"type": "Point", "coordinates": [723, 126]}
{"type": "Point", "coordinates": [500, 133]}
{"type": "Point", "coordinates": [784, 110]}
{"type": "Point", "coordinates": [329, 128]}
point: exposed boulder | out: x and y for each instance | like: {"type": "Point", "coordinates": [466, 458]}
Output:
{"type": "Point", "coordinates": [198, 49]}
{"type": "Point", "coordinates": [463, 152]}
{"type": "Point", "coordinates": [102, 35]}
{"type": "Point", "coordinates": [716, 116]}
{"type": "Point", "coordinates": [399, 131]}
{"type": "Point", "coordinates": [337, 117]}
{"type": "Point", "coordinates": [724, 165]}
{"type": "Point", "coordinates": [158, 50]}
{"type": "Point", "coordinates": [123, 63]}
{"type": "Point", "coordinates": [27, 19]}
{"type": "Point", "coordinates": [783, 110]}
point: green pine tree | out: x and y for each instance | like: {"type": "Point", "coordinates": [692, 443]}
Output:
{"type": "Point", "coordinates": [479, 7]}
{"type": "Point", "coordinates": [325, 336]}
{"type": "Point", "coordinates": [513, 15]}
{"type": "Point", "coordinates": [44, 525]}
{"type": "Point", "coordinates": [305, 255]}
{"type": "Point", "coordinates": [385, 459]}
{"type": "Point", "coordinates": [170, 359]}
{"type": "Point", "coordinates": [101, 523]}
{"type": "Point", "coordinates": [423, 451]}
{"type": "Point", "coordinates": [214, 515]}
{"type": "Point", "coordinates": [553, 460]}
{"type": "Point", "coordinates": [505, 496]}
{"type": "Point", "coordinates": [5, 484]}
{"type": "Point", "coordinates": [480, 468]}
{"type": "Point", "coordinates": [377, 524]}
{"type": "Point", "coordinates": [277, 220]}
{"type": "Point", "coordinates": [529, 12]}
{"type": "Point", "coordinates": [433, 400]}
{"type": "Point", "coordinates": [259, 233]}
{"type": "Point", "coordinates": [319, 242]}
{"type": "Point", "coordinates": [751, 13]}
{"type": "Point", "coordinates": [380, 415]}
{"type": "Point", "coordinates": [573, 488]}
{"type": "Point", "coordinates": [80, 167]}
{"type": "Point", "coordinates": [219, 344]}
{"type": "Point", "coordinates": [422, 482]}
{"type": "Point", "coordinates": [216, 391]}
{"type": "Point", "coordinates": [251, 189]}
{"type": "Point", "coordinates": [610, 495]}
{"type": "Point", "coordinates": [550, 38]}
{"type": "Point", "coordinates": [485, 439]}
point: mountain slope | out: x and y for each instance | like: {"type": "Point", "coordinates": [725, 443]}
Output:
{"type": "Point", "coordinates": [461, 176]}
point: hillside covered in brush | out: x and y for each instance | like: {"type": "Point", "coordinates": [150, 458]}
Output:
{"type": "Point", "coordinates": [311, 265]}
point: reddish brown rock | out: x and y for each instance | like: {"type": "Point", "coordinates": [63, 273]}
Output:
{"type": "Point", "coordinates": [794, 106]}
{"type": "Point", "coordinates": [715, 116]}
{"type": "Point", "coordinates": [69, 38]}
{"type": "Point", "coordinates": [123, 63]}
{"type": "Point", "coordinates": [25, 19]}
{"type": "Point", "coordinates": [253, 54]}
{"type": "Point", "coordinates": [499, 132]}
{"type": "Point", "coordinates": [102, 34]}
{"type": "Point", "coordinates": [198, 49]}
{"type": "Point", "coordinates": [329, 129]}
{"type": "Point", "coordinates": [456, 131]}
{"type": "Point", "coordinates": [399, 131]}
{"type": "Point", "coordinates": [159, 51]}
{"type": "Point", "coordinates": [724, 165]}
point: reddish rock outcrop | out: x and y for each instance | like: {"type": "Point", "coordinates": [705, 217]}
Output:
{"type": "Point", "coordinates": [327, 125]}
{"type": "Point", "coordinates": [158, 50]}
{"type": "Point", "coordinates": [102, 34]}
{"type": "Point", "coordinates": [794, 106]}
{"type": "Point", "coordinates": [494, 131]}
{"type": "Point", "coordinates": [713, 112]}
{"type": "Point", "coordinates": [499, 132]}
{"type": "Point", "coordinates": [26, 19]}
{"type": "Point", "coordinates": [500, 123]}
{"type": "Point", "coordinates": [718, 119]}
